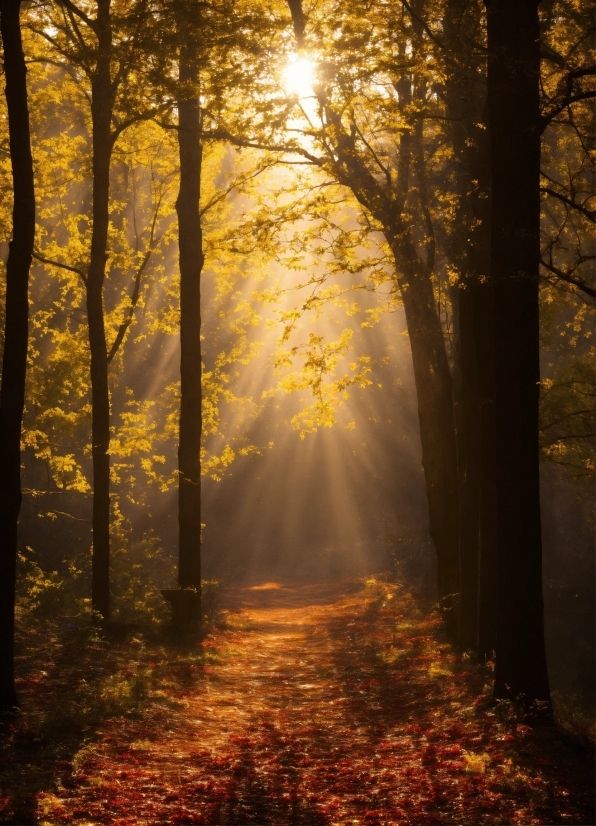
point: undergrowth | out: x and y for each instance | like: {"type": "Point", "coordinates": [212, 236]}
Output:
{"type": "Point", "coordinates": [74, 675]}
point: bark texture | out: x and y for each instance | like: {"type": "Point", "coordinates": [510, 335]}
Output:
{"type": "Point", "coordinates": [513, 106]}
{"type": "Point", "coordinates": [14, 363]}
{"type": "Point", "coordinates": [191, 265]}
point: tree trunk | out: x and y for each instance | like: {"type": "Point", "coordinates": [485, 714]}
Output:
{"type": "Point", "coordinates": [435, 411]}
{"type": "Point", "coordinates": [482, 296]}
{"type": "Point", "coordinates": [14, 363]}
{"type": "Point", "coordinates": [191, 265]}
{"type": "Point", "coordinates": [470, 470]}
{"type": "Point", "coordinates": [470, 252]}
{"type": "Point", "coordinates": [461, 97]}
{"type": "Point", "coordinates": [513, 105]}
{"type": "Point", "coordinates": [434, 387]}
{"type": "Point", "coordinates": [101, 114]}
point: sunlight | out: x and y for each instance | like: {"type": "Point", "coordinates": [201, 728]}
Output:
{"type": "Point", "coordinates": [298, 76]}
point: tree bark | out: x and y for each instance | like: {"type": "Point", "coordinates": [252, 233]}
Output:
{"type": "Point", "coordinates": [473, 308]}
{"type": "Point", "coordinates": [482, 297]}
{"type": "Point", "coordinates": [14, 362]}
{"type": "Point", "coordinates": [513, 105]}
{"type": "Point", "coordinates": [191, 265]}
{"type": "Point", "coordinates": [101, 115]}
{"type": "Point", "coordinates": [460, 100]}
{"type": "Point", "coordinates": [463, 96]}
{"type": "Point", "coordinates": [435, 412]}
{"type": "Point", "coordinates": [434, 385]}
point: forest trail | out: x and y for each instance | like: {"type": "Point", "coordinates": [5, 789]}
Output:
{"type": "Point", "coordinates": [318, 706]}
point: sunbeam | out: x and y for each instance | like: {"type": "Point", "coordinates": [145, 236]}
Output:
{"type": "Point", "coordinates": [299, 76]}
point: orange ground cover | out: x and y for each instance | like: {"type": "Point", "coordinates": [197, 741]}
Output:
{"type": "Point", "coordinates": [319, 705]}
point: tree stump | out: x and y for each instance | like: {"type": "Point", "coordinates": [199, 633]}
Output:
{"type": "Point", "coordinates": [185, 607]}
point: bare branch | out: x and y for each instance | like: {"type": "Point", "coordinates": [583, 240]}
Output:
{"type": "Point", "coordinates": [548, 117]}
{"type": "Point", "coordinates": [589, 213]}
{"type": "Point", "coordinates": [78, 12]}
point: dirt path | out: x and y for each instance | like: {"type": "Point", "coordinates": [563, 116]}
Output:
{"type": "Point", "coordinates": [319, 708]}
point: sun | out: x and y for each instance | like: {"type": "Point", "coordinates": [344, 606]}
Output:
{"type": "Point", "coordinates": [298, 76]}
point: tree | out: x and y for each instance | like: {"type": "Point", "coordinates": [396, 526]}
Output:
{"type": "Point", "coordinates": [191, 265]}
{"type": "Point", "coordinates": [358, 148]}
{"type": "Point", "coordinates": [205, 34]}
{"type": "Point", "coordinates": [110, 52]}
{"type": "Point", "coordinates": [464, 74]}
{"type": "Point", "coordinates": [14, 361]}
{"type": "Point", "coordinates": [513, 39]}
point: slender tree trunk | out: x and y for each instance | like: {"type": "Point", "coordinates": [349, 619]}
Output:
{"type": "Point", "coordinates": [513, 105]}
{"type": "Point", "coordinates": [101, 113]}
{"type": "Point", "coordinates": [435, 411]}
{"type": "Point", "coordinates": [434, 387]}
{"type": "Point", "coordinates": [459, 105]}
{"type": "Point", "coordinates": [470, 464]}
{"type": "Point", "coordinates": [462, 92]}
{"type": "Point", "coordinates": [12, 387]}
{"type": "Point", "coordinates": [482, 296]}
{"type": "Point", "coordinates": [191, 265]}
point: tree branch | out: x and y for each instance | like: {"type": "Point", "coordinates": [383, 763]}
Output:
{"type": "Point", "coordinates": [77, 11]}
{"type": "Point", "coordinates": [589, 213]}
{"type": "Point", "coordinates": [546, 119]}
{"type": "Point", "coordinates": [60, 265]}
{"type": "Point", "coordinates": [133, 303]}
{"type": "Point", "coordinates": [569, 279]}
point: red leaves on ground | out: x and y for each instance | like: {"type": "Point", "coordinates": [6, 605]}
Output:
{"type": "Point", "coordinates": [319, 711]}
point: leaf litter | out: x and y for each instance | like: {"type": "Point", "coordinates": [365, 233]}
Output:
{"type": "Point", "coordinates": [310, 705]}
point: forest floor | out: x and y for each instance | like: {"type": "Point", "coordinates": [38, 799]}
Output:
{"type": "Point", "coordinates": [310, 705]}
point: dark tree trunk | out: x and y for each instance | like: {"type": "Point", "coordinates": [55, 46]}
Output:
{"type": "Point", "coordinates": [435, 412]}
{"type": "Point", "coordinates": [478, 513]}
{"type": "Point", "coordinates": [101, 114]}
{"type": "Point", "coordinates": [513, 105]}
{"type": "Point", "coordinates": [191, 265]}
{"type": "Point", "coordinates": [14, 363]}
{"type": "Point", "coordinates": [473, 307]}
{"type": "Point", "coordinates": [470, 249]}
{"type": "Point", "coordinates": [460, 98]}
{"type": "Point", "coordinates": [482, 296]}
{"type": "Point", "coordinates": [469, 458]}
{"type": "Point", "coordinates": [434, 386]}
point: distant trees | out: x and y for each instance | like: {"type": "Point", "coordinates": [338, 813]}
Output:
{"type": "Point", "coordinates": [14, 357]}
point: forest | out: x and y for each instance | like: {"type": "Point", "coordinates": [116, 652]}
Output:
{"type": "Point", "coordinates": [297, 412]}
